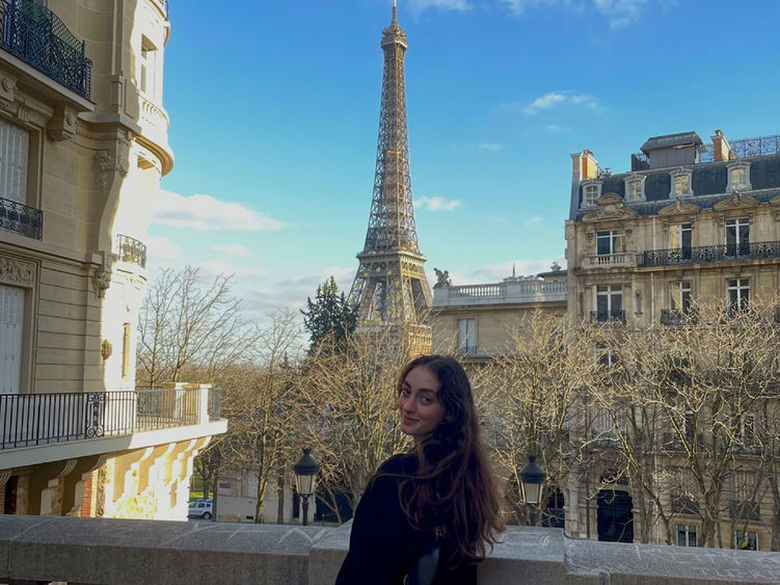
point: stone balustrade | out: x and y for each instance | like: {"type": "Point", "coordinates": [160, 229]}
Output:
{"type": "Point", "coordinates": [509, 292]}
{"type": "Point", "coordinates": [84, 551]}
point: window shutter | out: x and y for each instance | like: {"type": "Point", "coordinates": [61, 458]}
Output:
{"type": "Point", "coordinates": [11, 311]}
{"type": "Point", "coordinates": [14, 143]}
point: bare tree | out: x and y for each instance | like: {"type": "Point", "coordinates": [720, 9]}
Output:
{"type": "Point", "coordinates": [349, 408]}
{"type": "Point", "coordinates": [187, 322]}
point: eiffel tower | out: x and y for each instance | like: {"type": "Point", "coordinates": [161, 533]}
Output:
{"type": "Point", "coordinates": [390, 285]}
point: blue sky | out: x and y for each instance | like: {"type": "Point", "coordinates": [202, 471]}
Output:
{"type": "Point", "coordinates": [274, 108]}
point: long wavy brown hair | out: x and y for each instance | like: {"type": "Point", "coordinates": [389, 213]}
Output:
{"type": "Point", "coordinates": [454, 488]}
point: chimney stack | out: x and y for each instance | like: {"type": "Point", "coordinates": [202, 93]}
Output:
{"type": "Point", "coordinates": [721, 148]}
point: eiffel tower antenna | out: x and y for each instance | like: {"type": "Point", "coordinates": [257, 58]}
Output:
{"type": "Point", "coordinates": [390, 286]}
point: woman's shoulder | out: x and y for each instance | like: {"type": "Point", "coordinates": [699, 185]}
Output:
{"type": "Point", "coordinates": [399, 464]}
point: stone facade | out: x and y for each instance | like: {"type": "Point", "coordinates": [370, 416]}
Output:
{"type": "Point", "coordinates": [85, 147]}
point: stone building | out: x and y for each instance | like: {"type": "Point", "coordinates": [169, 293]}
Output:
{"type": "Point", "coordinates": [688, 222]}
{"type": "Point", "coordinates": [83, 145]}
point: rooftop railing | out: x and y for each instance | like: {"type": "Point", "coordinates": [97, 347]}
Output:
{"type": "Point", "coordinates": [519, 291]}
{"type": "Point", "coordinates": [37, 36]}
{"type": "Point", "coordinates": [28, 420]}
{"type": "Point", "coordinates": [707, 254]}
{"type": "Point", "coordinates": [16, 217]}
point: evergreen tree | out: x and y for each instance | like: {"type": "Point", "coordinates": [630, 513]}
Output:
{"type": "Point", "coordinates": [330, 313]}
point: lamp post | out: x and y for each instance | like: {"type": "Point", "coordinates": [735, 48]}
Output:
{"type": "Point", "coordinates": [531, 480]}
{"type": "Point", "coordinates": [305, 479]}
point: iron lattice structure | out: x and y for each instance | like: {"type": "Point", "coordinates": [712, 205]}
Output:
{"type": "Point", "coordinates": [390, 285]}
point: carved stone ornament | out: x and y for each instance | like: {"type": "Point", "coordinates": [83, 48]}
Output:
{"type": "Point", "coordinates": [17, 272]}
{"type": "Point", "coordinates": [679, 207]}
{"type": "Point", "coordinates": [103, 169]}
{"type": "Point", "coordinates": [7, 87]}
{"type": "Point", "coordinates": [62, 125]}
{"type": "Point", "coordinates": [610, 205]}
{"type": "Point", "coordinates": [102, 280]}
{"type": "Point", "coordinates": [737, 200]}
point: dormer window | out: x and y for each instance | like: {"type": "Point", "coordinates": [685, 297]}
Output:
{"type": "Point", "coordinates": [635, 187]}
{"type": "Point", "coordinates": [739, 176]}
{"type": "Point", "coordinates": [591, 191]}
{"type": "Point", "coordinates": [681, 183]}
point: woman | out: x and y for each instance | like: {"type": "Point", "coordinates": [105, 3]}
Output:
{"type": "Point", "coordinates": [443, 493]}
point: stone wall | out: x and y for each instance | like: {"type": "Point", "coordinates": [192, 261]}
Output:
{"type": "Point", "coordinates": [129, 552]}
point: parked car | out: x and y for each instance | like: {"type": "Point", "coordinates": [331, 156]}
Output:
{"type": "Point", "coordinates": [202, 508]}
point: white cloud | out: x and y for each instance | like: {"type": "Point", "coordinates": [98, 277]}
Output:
{"type": "Point", "coordinates": [619, 13]}
{"type": "Point", "coordinates": [491, 146]}
{"type": "Point", "coordinates": [205, 213]}
{"type": "Point", "coordinates": [437, 203]}
{"type": "Point", "coordinates": [216, 267]}
{"type": "Point", "coordinates": [498, 272]}
{"type": "Point", "coordinates": [231, 249]}
{"type": "Point", "coordinates": [161, 248]}
{"type": "Point", "coordinates": [554, 99]}
{"type": "Point", "coordinates": [418, 6]}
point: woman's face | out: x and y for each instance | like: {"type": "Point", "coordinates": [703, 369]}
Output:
{"type": "Point", "coordinates": [419, 404]}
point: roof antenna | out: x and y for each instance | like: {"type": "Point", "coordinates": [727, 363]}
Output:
{"type": "Point", "coordinates": [513, 270]}
{"type": "Point", "coordinates": [395, 11]}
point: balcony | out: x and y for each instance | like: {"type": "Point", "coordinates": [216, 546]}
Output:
{"type": "Point", "coordinates": [38, 37]}
{"type": "Point", "coordinates": [512, 292]}
{"type": "Point", "coordinates": [609, 318]}
{"type": "Point", "coordinates": [131, 250]}
{"type": "Point", "coordinates": [20, 218]}
{"type": "Point", "coordinates": [31, 420]}
{"type": "Point", "coordinates": [671, 318]}
{"type": "Point", "coordinates": [709, 254]}
{"type": "Point", "coordinates": [616, 260]}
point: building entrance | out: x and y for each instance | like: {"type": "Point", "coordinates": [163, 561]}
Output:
{"type": "Point", "coordinates": [615, 518]}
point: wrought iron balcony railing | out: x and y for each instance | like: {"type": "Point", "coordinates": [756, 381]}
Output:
{"type": "Point", "coordinates": [28, 420]}
{"type": "Point", "coordinates": [719, 253]}
{"type": "Point", "coordinates": [672, 318]}
{"type": "Point", "coordinates": [131, 250]}
{"type": "Point", "coordinates": [37, 36]}
{"type": "Point", "coordinates": [613, 318]}
{"type": "Point", "coordinates": [17, 217]}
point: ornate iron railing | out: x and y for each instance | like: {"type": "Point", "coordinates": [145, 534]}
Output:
{"type": "Point", "coordinates": [614, 318]}
{"type": "Point", "coordinates": [719, 253]}
{"type": "Point", "coordinates": [131, 250]}
{"type": "Point", "coordinates": [672, 318]}
{"type": "Point", "coordinates": [38, 37]}
{"type": "Point", "coordinates": [28, 420]}
{"type": "Point", "coordinates": [20, 218]}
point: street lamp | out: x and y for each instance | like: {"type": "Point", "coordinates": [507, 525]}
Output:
{"type": "Point", "coordinates": [305, 479]}
{"type": "Point", "coordinates": [531, 480]}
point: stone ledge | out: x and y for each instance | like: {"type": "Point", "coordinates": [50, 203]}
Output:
{"type": "Point", "coordinates": [128, 552]}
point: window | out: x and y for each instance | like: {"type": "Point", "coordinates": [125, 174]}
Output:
{"type": "Point", "coordinates": [14, 144]}
{"type": "Point", "coordinates": [467, 336]}
{"type": "Point", "coordinates": [609, 303]}
{"type": "Point", "coordinates": [591, 191]}
{"type": "Point", "coordinates": [689, 426]}
{"type": "Point", "coordinates": [737, 295]}
{"type": "Point", "coordinates": [747, 430]}
{"type": "Point", "coordinates": [680, 297]}
{"type": "Point", "coordinates": [606, 356]}
{"type": "Point", "coordinates": [680, 239]}
{"type": "Point", "coordinates": [126, 351]}
{"type": "Point", "coordinates": [11, 337]}
{"type": "Point", "coordinates": [610, 242]}
{"type": "Point", "coordinates": [738, 176]}
{"type": "Point", "coordinates": [745, 540]}
{"type": "Point", "coordinates": [738, 236]}
{"type": "Point", "coordinates": [147, 81]}
{"type": "Point", "coordinates": [686, 535]}
{"type": "Point", "coordinates": [681, 183]}
{"type": "Point", "coordinates": [635, 190]}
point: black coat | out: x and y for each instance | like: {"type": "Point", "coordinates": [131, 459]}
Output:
{"type": "Point", "coordinates": [384, 544]}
